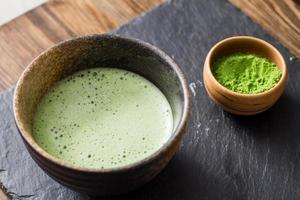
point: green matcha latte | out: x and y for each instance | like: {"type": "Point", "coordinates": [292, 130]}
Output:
{"type": "Point", "coordinates": [103, 118]}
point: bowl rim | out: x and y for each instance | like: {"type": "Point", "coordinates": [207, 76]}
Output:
{"type": "Point", "coordinates": [177, 133]}
{"type": "Point", "coordinates": [249, 38]}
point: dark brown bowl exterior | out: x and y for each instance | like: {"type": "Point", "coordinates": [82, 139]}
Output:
{"type": "Point", "coordinates": [237, 103]}
{"type": "Point", "coordinates": [101, 51]}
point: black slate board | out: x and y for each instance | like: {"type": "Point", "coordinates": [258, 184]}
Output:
{"type": "Point", "coordinates": [222, 156]}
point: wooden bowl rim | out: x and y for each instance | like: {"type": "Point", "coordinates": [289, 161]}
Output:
{"type": "Point", "coordinates": [233, 93]}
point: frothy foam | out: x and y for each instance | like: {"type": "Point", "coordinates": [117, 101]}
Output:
{"type": "Point", "coordinates": [103, 118]}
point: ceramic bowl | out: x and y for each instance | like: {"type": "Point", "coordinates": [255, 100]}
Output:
{"type": "Point", "coordinates": [237, 103]}
{"type": "Point", "coordinates": [93, 51]}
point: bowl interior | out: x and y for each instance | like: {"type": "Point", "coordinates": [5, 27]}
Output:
{"type": "Point", "coordinates": [245, 44]}
{"type": "Point", "coordinates": [91, 52]}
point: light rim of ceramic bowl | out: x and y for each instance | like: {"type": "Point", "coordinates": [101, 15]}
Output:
{"type": "Point", "coordinates": [176, 133]}
{"type": "Point", "coordinates": [263, 42]}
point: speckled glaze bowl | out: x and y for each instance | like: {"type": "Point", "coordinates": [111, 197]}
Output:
{"type": "Point", "coordinates": [93, 51]}
{"type": "Point", "coordinates": [238, 103]}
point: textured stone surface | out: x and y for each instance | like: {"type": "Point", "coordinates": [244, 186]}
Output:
{"type": "Point", "coordinates": [222, 156]}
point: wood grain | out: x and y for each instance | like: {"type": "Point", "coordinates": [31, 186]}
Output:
{"type": "Point", "coordinates": [25, 37]}
{"type": "Point", "coordinates": [281, 18]}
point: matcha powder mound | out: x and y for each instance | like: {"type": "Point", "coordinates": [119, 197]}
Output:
{"type": "Point", "coordinates": [246, 73]}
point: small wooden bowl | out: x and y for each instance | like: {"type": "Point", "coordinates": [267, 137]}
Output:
{"type": "Point", "coordinates": [237, 103]}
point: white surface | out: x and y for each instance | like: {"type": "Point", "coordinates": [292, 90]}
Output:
{"type": "Point", "coordinates": [9, 9]}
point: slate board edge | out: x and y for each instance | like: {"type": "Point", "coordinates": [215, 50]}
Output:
{"type": "Point", "coordinates": [273, 40]}
{"type": "Point", "coordinates": [2, 186]}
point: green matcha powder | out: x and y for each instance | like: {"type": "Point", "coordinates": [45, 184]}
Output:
{"type": "Point", "coordinates": [246, 73]}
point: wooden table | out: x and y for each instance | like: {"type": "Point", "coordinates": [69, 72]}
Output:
{"type": "Point", "coordinates": [25, 37]}
{"type": "Point", "coordinates": [28, 35]}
